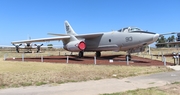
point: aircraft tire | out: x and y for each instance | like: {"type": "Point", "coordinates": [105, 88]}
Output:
{"type": "Point", "coordinates": [98, 54]}
{"type": "Point", "coordinates": [81, 54]}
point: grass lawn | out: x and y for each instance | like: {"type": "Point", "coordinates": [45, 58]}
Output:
{"type": "Point", "coordinates": [16, 74]}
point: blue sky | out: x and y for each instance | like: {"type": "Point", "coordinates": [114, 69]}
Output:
{"type": "Point", "coordinates": [22, 18]}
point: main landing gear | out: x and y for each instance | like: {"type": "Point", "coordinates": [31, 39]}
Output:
{"type": "Point", "coordinates": [81, 54]}
{"type": "Point", "coordinates": [98, 54]}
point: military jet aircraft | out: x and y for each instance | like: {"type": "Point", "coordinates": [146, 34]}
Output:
{"type": "Point", "coordinates": [130, 39]}
{"type": "Point", "coordinates": [27, 46]}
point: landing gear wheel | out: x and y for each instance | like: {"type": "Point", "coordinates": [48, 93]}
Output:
{"type": "Point", "coordinates": [38, 49]}
{"type": "Point", "coordinates": [98, 54]}
{"type": "Point", "coordinates": [129, 57]}
{"type": "Point", "coordinates": [81, 54]}
{"type": "Point", "coordinates": [17, 51]}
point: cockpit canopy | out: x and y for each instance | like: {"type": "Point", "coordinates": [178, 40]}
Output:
{"type": "Point", "coordinates": [129, 29]}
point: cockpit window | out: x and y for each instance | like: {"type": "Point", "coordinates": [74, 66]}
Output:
{"type": "Point", "coordinates": [129, 29]}
{"type": "Point", "coordinates": [120, 30]}
{"type": "Point", "coordinates": [123, 29]}
{"type": "Point", "coordinates": [135, 29]}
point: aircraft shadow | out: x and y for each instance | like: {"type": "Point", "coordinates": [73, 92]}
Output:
{"type": "Point", "coordinates": [115, 58]}
{"type": "Point", "coordinates": [100, 58]}
{"type": "Point", "coordinates": [51, 58]}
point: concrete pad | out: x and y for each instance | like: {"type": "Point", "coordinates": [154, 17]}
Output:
{"type": "Point", "coordinates": [176, 68]}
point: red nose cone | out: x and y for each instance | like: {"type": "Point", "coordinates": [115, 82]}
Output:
{"type": "Point", "coordinates": [82, 46]}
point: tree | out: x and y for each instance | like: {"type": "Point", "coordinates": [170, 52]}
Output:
{"type": "Point", "coordinates": [168, 40]}
{"type": "Point", "coordinates": [50, 46]}
{"type": "Point", "coordinates": [162, 39]}
{"type": "Point", "coordinates": [172, 38]}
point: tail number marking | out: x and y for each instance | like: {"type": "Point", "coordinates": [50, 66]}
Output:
{"type": "Point", "coordinates": [129, 39]}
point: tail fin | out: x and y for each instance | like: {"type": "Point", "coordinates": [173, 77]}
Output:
{"type": "Point", "coordinates": [69, 29]}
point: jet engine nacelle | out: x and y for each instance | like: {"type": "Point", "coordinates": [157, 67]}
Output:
{"type": "Point", "coordinates": [75, 46]}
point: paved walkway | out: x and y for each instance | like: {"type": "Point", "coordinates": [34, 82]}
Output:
{"type": "Point", "coordinates": [176, 68]}
{"type": "Point", "coordinates": [98, 86]}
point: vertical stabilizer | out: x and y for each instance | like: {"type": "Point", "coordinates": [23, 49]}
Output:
{"type": "Point", "coordinates": [69, 29]}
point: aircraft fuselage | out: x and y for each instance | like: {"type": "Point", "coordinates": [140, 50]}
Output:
{"type": "Point", "coordinates": [120, 41]}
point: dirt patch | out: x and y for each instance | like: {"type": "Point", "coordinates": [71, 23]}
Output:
{"type": "Point", "coordinates": [172, 89]}
{"type": "Point", "coordinates": [104, 60]}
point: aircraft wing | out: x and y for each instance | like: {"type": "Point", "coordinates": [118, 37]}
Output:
{"type": "Point", "coordinates": [178, 42]}
{"type": "Point", "coordinates": [58, 46]}
{"type": "Point", "coordinates": [60, 37]}
{"type": "Point", "coordinates": [168, 33]}
{"type": "Point", "coordinates": [86, 36]}
{"type": "Point", "coordinates": [41, 40]}
{"type": "Point", "coordinates": [6, 46]}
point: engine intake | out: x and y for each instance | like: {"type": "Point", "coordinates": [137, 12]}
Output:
{"type": "Point", "coordinates": [75, 46]}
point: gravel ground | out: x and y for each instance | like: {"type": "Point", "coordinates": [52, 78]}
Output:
{"type": "Point", "coordinates": [104, 60]}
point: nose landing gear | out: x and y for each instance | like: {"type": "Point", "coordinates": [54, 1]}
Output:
{"type": "Point", "coordinates": [128, 57]}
